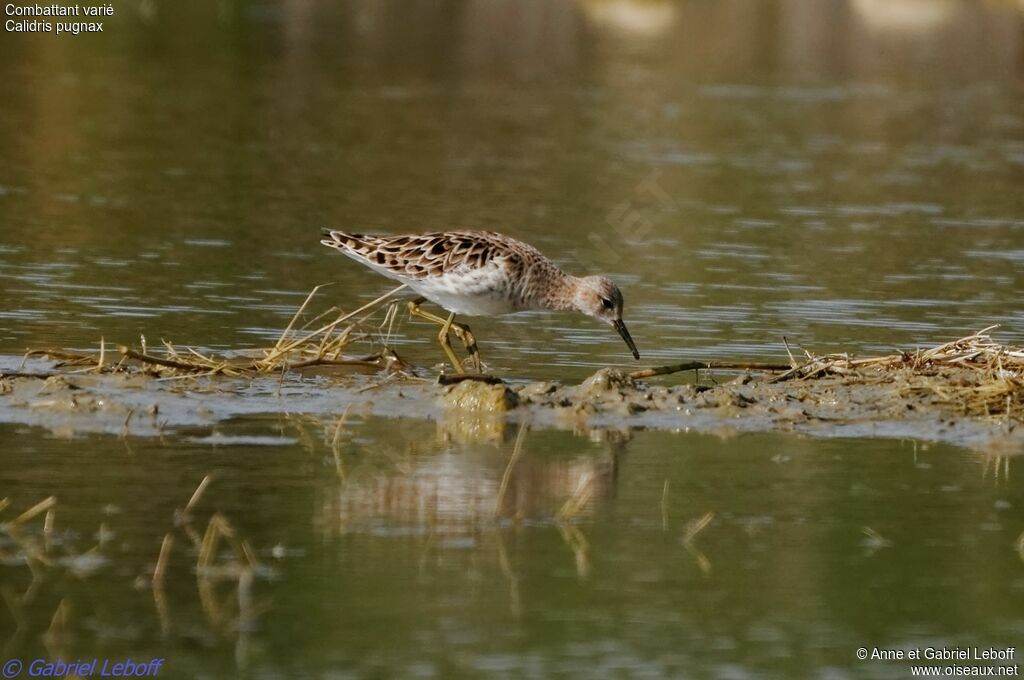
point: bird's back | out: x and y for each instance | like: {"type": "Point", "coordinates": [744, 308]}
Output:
{"type": "Point", "coordinates": [466, 271]}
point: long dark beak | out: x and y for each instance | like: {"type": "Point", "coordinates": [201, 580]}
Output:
{"type": "Point", "coordinates": [621, 328]}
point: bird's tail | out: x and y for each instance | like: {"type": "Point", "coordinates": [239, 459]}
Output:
{"type": "Point", "coordinates": [347, 242]}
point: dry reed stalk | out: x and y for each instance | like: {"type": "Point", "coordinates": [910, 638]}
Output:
{"type": "Point", "coordinates": [322, 346]}
{"type": "Point", "coordinates": [664, 505]}
{"type": "Point", "coordinates": [696, 365]}
{"type": "Point", "coordinates": [517, 451]}
{"type": "Point", "coordinates": [197, 494]}
{"type": "Point", "coordinates": [1002, 365]}
{"type": "Point", "coordinates": [282, 349]}
{"type": "Point", "coordinates": [974, 374]}
{"type": "Point", "coordinates": [339, 427]}
{"type": "Point", "coordinates": [66, 358]}
{"type": "Point", "coordinates": [156, 361]}
{"type": "Point", "coordinates": [161, 561]}
{"type": "Point", "coordinates": [37, 509]}
{"type": "Point", "coordinates": [208, 547]}
{"type": "Point", "coordinates": [579, 545]}
{"type": "Point", "coordinates": [696, 526]}
{"type": "Point", "coordinates": [298, 313]}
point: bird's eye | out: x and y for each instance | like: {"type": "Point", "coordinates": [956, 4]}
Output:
{"type": "Point", "coordinates": [606, 303]}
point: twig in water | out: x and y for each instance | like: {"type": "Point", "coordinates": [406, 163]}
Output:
{"type": "Point", "coordinates": [692, 529]}
{"type": "Point", "coordinates": [124, 425]}
{"type": "Point", "coordinates": [39, 508]}
{"type": "Point", "coordinates": [166, 363]}
{"type": "Point", "coordinates": [445, 379]}
{"type": "Point", "coordinates": [517, 451]}
{"type": "Point", "coordinates": [696, 526]}
{"type": "Point", "coordinates": [664, 505]}
{"type": "Point", "coordinates": [161, 561]}
{"type": "Point", "coordinates": [792, 359]}
{"type": "Point", "coordinates": [197, 494]}
{"type": "Point", "coordinates": [696, 365]}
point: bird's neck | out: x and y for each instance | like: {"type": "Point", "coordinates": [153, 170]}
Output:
{"type": "Point", "coordinates": [560, 294]}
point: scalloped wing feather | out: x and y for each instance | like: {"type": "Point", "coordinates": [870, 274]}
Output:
{"type": "Point", "coordinates": [419, 256]}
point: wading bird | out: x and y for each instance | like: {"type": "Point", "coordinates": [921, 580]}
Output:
{"type": "Point", "coordinates": [480, 273]}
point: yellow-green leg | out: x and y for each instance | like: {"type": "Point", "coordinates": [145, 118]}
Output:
{"type": "Point", "coordinates": [446, 344]}
{"type": "Point", "coordinates": [448, 324]}
{"type": "Point", "coordinates": [468, 340]}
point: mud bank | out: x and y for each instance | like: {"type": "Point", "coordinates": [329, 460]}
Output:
{"type": "Point", "coordinates": [900, 405]}
{"type": "Point", "coordinates": [937, 405]}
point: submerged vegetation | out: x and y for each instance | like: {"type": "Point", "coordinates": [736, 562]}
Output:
{"type": "Point", "coordinates": [55, 560]}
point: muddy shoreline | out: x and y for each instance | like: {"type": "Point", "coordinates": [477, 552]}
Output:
{"type": "Point", "coordinates": [865, 403]}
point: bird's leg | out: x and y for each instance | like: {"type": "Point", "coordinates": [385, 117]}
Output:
{"type": "Point", "coordinates": [442, 337]}
{"type": "Point", "coordinates": [446, 344]}
{"type": "Point", "coordinates": [463, 333]}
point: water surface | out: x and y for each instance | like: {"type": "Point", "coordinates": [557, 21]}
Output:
{"type": "Point", "coordinates": [398, 552]}
{"type": "Point", "coordinates": [837, 173]}
{"type": "Point", "coordinates": [846, 174]}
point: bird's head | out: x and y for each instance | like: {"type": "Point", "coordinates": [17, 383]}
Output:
{"type": "Point", "coordinates": [599, 297]}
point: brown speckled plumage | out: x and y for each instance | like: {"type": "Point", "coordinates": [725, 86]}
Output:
{"type": "Point", "coordinates": [482, 273]}
{"type": "Point", "coordinates": [520, 271]}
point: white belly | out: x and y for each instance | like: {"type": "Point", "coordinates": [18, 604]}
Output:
{"type": "Point", "coordinates": [475, 304]}
{"type": "Point", "coordinates": [482, 292]}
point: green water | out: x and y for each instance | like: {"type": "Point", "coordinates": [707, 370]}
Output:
{"type": "Point", "coordinates": [844, 174]}
{"type": "Point", "coordinates": [796, 170]}
{"type": "Point", "coordinates": [395, 564]}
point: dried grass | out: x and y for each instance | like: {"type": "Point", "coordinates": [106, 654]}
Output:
{"type": "Point", "coordinates": [975, 374]}
{"type": "Point", "coordinates": [237, 569]}
{"type": "Point", "coordinates": [300, 345]}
